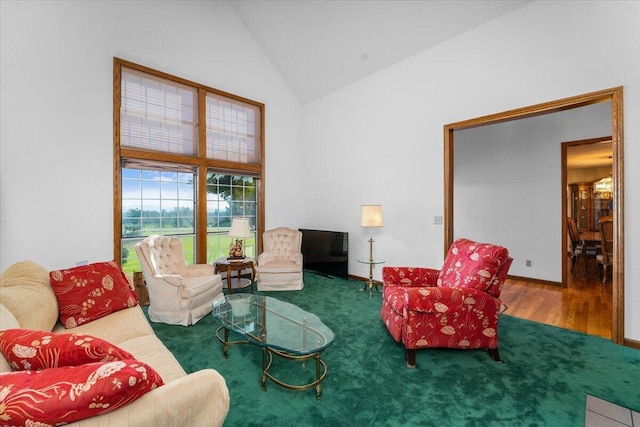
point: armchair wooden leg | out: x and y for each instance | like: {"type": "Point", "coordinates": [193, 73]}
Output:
{"type": "Point", "coordinates": [411, 357]}
{"type": "Point", "coordinates": [494, 354]}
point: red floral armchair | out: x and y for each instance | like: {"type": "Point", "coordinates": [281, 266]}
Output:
{"type": "Point", "coordinates": [456, 307]}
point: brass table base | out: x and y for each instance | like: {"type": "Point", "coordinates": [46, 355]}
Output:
{"type": "Point", "coordinates": [267, 361]}
{"type": "Point", "coordinates": [370, 284]}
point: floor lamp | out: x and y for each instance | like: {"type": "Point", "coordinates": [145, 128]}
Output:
{"type": "Point", "coordinates": [371, 216]}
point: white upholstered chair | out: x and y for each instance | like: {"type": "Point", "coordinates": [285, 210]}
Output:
{"type": "Point", "coordinates": [179, 294]}
{"type": "Point", "coordinates": [280, 263]}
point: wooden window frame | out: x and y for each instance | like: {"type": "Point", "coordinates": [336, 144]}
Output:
{"type": "Point", "coordinates": [200, 161]}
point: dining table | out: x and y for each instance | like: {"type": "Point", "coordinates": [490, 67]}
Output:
{"type": "Point", "coordinates": [591, 241]}
{"type": "Point", "coordinates": [589, 237]}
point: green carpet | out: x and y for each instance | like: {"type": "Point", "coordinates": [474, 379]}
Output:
{"type": "Point", "coordinates": [544, 381]}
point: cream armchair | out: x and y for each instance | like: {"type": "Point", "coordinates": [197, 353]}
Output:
{"type": "Point", "coordinates": [179, 294]}
{"type": "Point", "coordinates": [280, 264]}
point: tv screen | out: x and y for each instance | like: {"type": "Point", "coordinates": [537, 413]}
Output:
{"type": "Point", "coordinates": [326, 252]}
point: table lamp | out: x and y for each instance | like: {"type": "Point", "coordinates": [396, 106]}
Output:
{"type": "Point", "coordinates": [239, 230]}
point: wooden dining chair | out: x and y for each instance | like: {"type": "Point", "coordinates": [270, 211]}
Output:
{"type": "Point", "coordinates": [605, 257]}
{"type": "Point", "coordinates": [577, 246]}
{"type": "Point", "coordinates": [580, 248]}
{"type": "Point", "coordinates": [605, 218]}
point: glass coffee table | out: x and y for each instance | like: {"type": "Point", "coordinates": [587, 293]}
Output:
{"type": "Point", "coordinates": [280, 328]}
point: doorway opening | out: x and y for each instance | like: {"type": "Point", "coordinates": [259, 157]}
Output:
{"type": "Point", "coordinates": [615, 97]}
{"type": "Point", "coordinates": [587, 170]}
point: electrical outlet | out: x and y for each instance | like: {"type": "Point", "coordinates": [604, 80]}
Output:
{"type": "Point", "coordinates": [528, 263]}
{"type": "Point", "coordinates": [437, 220]}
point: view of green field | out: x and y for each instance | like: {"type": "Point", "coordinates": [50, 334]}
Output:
{"type": "Point", "coordinates": [217, 247]}
{"type": "Point", "coordinates": [162, 202]}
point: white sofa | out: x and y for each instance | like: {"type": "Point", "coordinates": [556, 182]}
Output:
{"type": "Point", "coordinates": [201, 398]}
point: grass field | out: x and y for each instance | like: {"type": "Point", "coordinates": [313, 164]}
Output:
{"type": "Point", "coordinates": [217, 247]}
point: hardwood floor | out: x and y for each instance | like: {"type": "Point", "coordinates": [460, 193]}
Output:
{"type": "Point", "coordinates": [585, 305]}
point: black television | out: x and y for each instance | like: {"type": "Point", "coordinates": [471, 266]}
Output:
{"type": "Point", "coordinates": [325, 252]}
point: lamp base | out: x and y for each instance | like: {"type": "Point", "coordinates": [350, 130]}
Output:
{"type": "Point", "coordinates": [235, 250]}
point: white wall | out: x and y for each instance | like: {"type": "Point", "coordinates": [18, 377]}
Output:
{"type": "Point", "coordinates": [380, 140]}
{"type": "Point", "coordinates": [56, 153]}
{"type": "Point", "coordinates": [376, 141]}
{"type": "Point", "coordinates": [507, 184]}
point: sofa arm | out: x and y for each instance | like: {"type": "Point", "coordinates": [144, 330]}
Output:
{"type": "Point", "coordinates": [172, 279]}
{"type": "Point", "coordinates": [409, 276]}
{"type": "Point", "coordinates": [297, 258]}
{"type": "Point", "coordinates": [446, 300]}
{"type": "Point", "coordinates": [265, 258]}
{"type": "Point", "coordinates": [199, 270]}
{"type": "Point", "coordinates": [197, 399]}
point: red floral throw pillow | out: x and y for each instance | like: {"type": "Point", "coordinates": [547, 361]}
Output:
{"type": "Point", "coordinates": [29, 350]}
{"type": "Point", "coordinates": [63, 395]}
{"type": "Point", "coordinates": [89, 292]}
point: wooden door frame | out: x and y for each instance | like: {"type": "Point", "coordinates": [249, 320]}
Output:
{"type": "Point", "coordinates": [613, 95]}
{"type": "Point", "coordinates": [565, 209]}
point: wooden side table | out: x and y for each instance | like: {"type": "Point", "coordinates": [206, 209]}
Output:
{"type": "Point", "coordinates": [237, 265]}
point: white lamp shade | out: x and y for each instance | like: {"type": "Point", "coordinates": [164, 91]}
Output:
{"type": "Point", "coordinates": [240, 228]}
{"type": "Point", "coordinates": [371, 216]}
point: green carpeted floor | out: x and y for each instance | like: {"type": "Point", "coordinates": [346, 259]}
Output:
{"type": "Point", "coordinates": [544, 381]}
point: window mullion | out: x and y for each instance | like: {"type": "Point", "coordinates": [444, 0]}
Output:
{"type": "Point", "coordinates": [201, 196]}
{"type": "Point", "coordinates": [201, 216]}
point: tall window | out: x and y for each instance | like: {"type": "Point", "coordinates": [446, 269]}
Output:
{"type": "Point", "coordinates": [188, 158]}
{"type": "Point", "coordinates": [227, 197]}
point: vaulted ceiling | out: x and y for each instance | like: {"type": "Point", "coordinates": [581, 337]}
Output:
{"type": "Point", "coordinates": [321, 46]}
